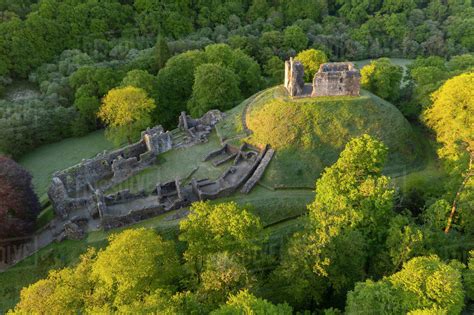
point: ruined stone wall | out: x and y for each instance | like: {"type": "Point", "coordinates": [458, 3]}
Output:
{"type": "Point", "coordinates": [80, 187]}
{"type": "Point", "coordinates": [336, 79]}
{"type": "Point", "coordinates": [294, 77]}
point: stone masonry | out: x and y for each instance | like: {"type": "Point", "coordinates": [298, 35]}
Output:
{"type": "Point", "coordinates": [294, 77]}
{"type": "Point", "coordinates": [336, 78]}
{"type": "Point", "coordinates": [77, 193]}
{"type": "Point", "coordinates": [332, 79]}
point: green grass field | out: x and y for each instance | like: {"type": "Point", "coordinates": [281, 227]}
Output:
{"type": "Point", "coordinates": [44, 161]}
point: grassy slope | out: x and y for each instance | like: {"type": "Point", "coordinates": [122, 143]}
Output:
{"type": "Point", "coordinates": [44, 161]}
{"type": "Point", "coordinates": [309, 133]}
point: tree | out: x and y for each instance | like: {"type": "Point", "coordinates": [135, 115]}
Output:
{"type": "Point", "coordinates": [275, 70]}
{"type": "Point", "coordinates": [215, 87]}
{"type": "Point", "coordinates": [258, 9]}
{"type": "Point", "coordinates": [246, 303]}
{"type": "Point", "coordinates": [450, 117]}
{"type": "Point", "coordinates": [382, 78]}
{"type": "Point", "coordinates": [294, 38]}
{"type": "Point", "coordinates": [247, 70]}
{"type": "Point", "coordinates": [222, 276]}
{"type": "Point", "coordinates": [19, 205]}
{"type": "Point", "coordinates": [423, 283]}
{"type": "Point", "coordinates": [311, 60]}
{"type": "Point", "coordinates": [217, 228]}
{"type": "Point", "coordinates": [468, 276]}
{"type": "Point", "coordinates": [162, 53]}
{"type": "Point", "coordinates": [126, 111]}
{"type": "Point", "coordinates": [61, 292]}
{"type": "Point", "coordinates": [404, 241]}
{"type": "Point", "coordinates": [135, 263]}
{"type": "Point", "coordinates": [348, 215]}
{"type": "Point", "coordinates": [175, 85]}
{"type": "Point", "coordinates": [135, 271]}
{"type": "Point", "coordinates": [143, 80]}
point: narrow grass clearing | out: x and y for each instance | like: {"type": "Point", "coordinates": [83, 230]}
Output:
{"type": "Point", "coordinates": [44, 161]}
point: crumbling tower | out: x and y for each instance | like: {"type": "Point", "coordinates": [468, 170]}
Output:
{"type": "Point", "coordinates": [294, 77]}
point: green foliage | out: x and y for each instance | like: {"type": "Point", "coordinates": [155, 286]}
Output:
{"type": "Point", "coordinates": [29, 124]}
{"type": "Point", "coordinates": [382, 78]}
{"type": "Point", "coordinates": [294, 38]}
{"type": "Point", "coordinates": [404, 241]}
{"type": "Point", "coordinates": [423, 283]}
{"type": "Point", "coordinates": [215, 87]}
{"type": "Point", "coordinates": [275, 70]}
{"type": "Point", "coordinates": [468, 276]}
{"type": "Point", "coordinates": [222, 276]}
{"type": "Point", "coordinates": [217, 228]}
{"type": "Point", "coordinates": [246, 303]}
{"type": "Point", "coordinates": [175, 85]}
{"type": "Point", "coordinates": [62, 292]}
{"type": "Point", "coordinates": [311, 60]}
{"type": "Point", "coordinates": [138, 265]}
{"type": "Point", "coordinates": [143, 80]}
{"type": "Point", "coordinates": [451, 114]}
{"type": "Point", "coordinates": [436, 215]}
{"type": "Point", "coordinates": [126, 111]}
{"type": "Point", "coordinates": [162, 53]}
{"type": "Point", "coordinates": [135, 262]}
{"type": "Point", "coordinates": [90, 85]}
{"type": "Point", "coordinates": [349, 213]}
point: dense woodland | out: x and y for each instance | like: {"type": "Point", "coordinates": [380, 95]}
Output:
{"type": "Point", "coordinates": [76, 51]}
{"type": "Point", "coordinates": [365, 247]}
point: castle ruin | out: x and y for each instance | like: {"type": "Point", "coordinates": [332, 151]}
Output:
{"type": "Point", "coordinates": [332, 79]}
{"type": "Point", "coordinates": [80, 196]}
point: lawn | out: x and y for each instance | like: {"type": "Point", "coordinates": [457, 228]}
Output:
{"type": "Point", "coordinates": [45, 160]}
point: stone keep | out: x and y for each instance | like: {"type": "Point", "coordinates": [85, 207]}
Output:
{"type": "Point", "coordinates": [294, 77]}
{"type": "Point", "coordinates": [336, 78]}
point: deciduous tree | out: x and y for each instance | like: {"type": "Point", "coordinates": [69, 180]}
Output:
{"type": "Point", "coordinates": [423, 283]}
{"type": "Point", "coordinates": [246, 303]}
{"type": "Point", "coordinates": [126, 111]}
{"type": "Point", "coordinates": [311, 60]}
{"type": "Point", "coordinates": [382, 78]}
{"type": "Point", "coordinates": [19, 204]}
{"type": "Point", "coordinates": [215, 87]}
{"type": "Point", "coordinates": [211, 229]}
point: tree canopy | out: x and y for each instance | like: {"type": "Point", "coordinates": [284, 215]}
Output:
{"type": "Point", "coordinates": [423, 283]}
{"type": "Point", "coordinates": [126, 111]}
{"type": "Point", "coordinates": [382, 78]}
{"type": "Point", "coordinates": [215, 87]}
{"type": "Point", "coordinates": [311, 60]}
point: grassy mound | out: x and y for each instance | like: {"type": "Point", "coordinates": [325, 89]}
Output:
{"type": "Point", "coordinates": [309, 133]}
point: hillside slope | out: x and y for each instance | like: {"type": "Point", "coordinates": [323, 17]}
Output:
{"type": "Point", "coordinates": [309, 133]}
